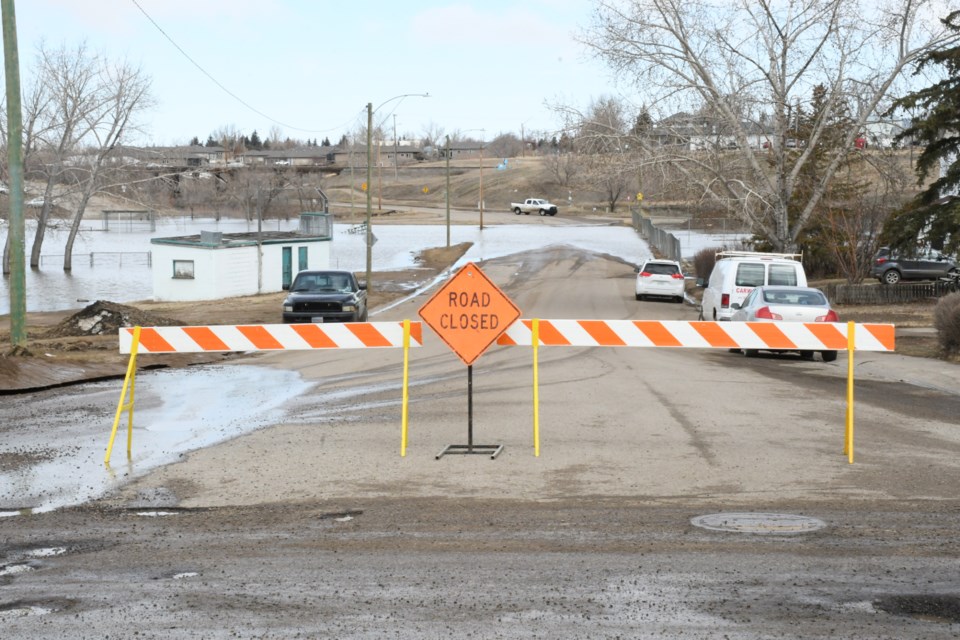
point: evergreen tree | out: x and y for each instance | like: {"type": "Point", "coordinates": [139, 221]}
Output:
{"type": "Point", "coordinates": [325, 143]}
{"type": "Point", "coordinates": [194, 141]}
{"type": "Point", "coordinates": [211, 142]}
{"type": "Point", "coordinates": [254, 142]}
{"type": "Point", "coordinates": [931, 218]}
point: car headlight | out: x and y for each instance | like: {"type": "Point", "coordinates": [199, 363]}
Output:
{"type": "Point", "coordinates": [349, 307]}
{"type": "Point", "coordinates": [288, 308]}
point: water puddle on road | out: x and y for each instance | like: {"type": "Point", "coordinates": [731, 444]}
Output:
{"type": "Point", "coordinates": [761, 523]}
{"type": "Point", "coordinates": [58, 445]}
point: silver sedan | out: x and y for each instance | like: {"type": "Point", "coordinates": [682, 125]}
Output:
{"type": "Point", "coordinates": [786, 304]}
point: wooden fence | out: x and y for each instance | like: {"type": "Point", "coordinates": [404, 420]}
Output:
{"type": "Point", "coordinates": [888, 294]}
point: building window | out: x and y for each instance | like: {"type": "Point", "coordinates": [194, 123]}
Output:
{"type": "Point", "coordinates": [183, 269]}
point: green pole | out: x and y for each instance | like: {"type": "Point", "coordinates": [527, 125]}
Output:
{"type": "Point", "coordinates": [11, 62]}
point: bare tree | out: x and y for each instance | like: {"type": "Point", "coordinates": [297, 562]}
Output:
{"type": "Point", "coordinates": [67, 78]}
{"type": "Point", "coordinates": [564, 167]}
{"type": "Point", "coordinates": [607, 153]}
{"type": "Point", "coordinates": [746, 64]}
{"type": "Point", "coordinates": [76, 112]}
{"type": "Point", "coordinates": [120, 93]}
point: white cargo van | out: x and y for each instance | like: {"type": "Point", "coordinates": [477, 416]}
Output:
{"type": "Point", "coordinates": [736, 273]}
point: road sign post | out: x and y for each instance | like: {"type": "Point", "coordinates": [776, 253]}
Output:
{"type": "Point", "coordinates": [469, 313]}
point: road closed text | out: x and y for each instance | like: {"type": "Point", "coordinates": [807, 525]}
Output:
{"type": "Point", "coordinates": [469, 311]}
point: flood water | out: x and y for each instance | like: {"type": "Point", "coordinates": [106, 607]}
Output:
{"type": "Point", "coordinates": [114, 265]}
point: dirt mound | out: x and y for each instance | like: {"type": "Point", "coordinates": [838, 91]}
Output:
{"type": "Point", "coordinates": [103, 318]}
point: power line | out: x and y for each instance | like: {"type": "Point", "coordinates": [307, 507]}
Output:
{"type": "Point", "coordinates": [221, 86]}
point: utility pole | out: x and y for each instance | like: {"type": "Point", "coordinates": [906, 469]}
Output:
{"type": "Point", "coordinates": [448, 192]}
{"type": "Point", "coordinates": [18, 287]}
{"type": "Point", "coordinates": [396, 150]}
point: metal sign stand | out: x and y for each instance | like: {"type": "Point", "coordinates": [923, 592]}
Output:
{"type": "Point", "coordinates": [470, 448]}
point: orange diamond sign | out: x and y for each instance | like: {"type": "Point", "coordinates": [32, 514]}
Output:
{"type": "Point", "coordinates": [469, 313]}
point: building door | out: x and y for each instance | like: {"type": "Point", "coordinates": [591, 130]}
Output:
{"type": "Point", "coordinates": [287, 267]}
{"type": "Point", "coordinates": [302, 259]}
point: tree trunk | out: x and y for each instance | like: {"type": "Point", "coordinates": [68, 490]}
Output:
{"type": "Point", "coordinates": [41, 228]}
{"type": "Point", "coordinates": [74, 230]}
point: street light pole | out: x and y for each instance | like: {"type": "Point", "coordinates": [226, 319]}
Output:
{"type": "Point", "coordinates": [370, 112]}
{"type": "Point", "coordinates": [481, 180]}
{"type": "Point", "coordinates": [369, 190]}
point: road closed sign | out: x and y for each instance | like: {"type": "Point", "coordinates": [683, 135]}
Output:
{"type": "Point", "coordinates": [469, 313]}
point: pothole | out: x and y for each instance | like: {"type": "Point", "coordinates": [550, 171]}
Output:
{"type": "Point", "coordinates": [46, 552]}
{"type": "Point", "coordinates": [763, 523]}
{"type": "Point", "coordinates": [27, 608]}
{"type": "Point", "coordinates": [930, 607]}
{"type": "Point", "coordinates": [15, 568]}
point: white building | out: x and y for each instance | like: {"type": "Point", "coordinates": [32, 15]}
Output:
{"type": "Point", "coordinates": [216, 265]}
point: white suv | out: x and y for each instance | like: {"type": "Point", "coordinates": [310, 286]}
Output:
{"type": "Point", "coordinates": [660, 278]}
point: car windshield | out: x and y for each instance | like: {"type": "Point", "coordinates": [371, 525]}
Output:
{"type": "Point", "coordinates": [786, 296]}
{"type": "Point", "coordinates": [322, 282]}
{"type": "Point", "coordinates": [661, 269]}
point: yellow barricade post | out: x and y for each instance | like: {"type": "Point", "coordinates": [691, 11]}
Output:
{"type": "Point", "coordinates": [128, 383]}
{"type": "Point", "coordinates": [406, 395]}
{"type": "Point", "coordinates": [536, 389]}
{"type": "Point", "coordinates": [848, 437]}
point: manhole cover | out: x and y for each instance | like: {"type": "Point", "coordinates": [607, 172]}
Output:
{"type": "Point", "coordinates": [782, 523]}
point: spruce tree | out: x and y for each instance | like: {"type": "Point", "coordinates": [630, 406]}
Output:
{"type": "Point", "coordinates": [931, 218]}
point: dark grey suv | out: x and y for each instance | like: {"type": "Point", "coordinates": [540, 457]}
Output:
{"type": "Point", "coordinates": [889, 268]}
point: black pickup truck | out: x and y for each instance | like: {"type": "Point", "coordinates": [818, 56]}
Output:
{"type": "Point", "coordinates": [325, 296]}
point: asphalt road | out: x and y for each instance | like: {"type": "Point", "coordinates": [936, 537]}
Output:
{"type": "Point", "coordinates": [316, 527]}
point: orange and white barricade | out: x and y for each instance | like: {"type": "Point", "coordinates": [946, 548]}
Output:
{"type": "Point", "coordinates": [790, 336]}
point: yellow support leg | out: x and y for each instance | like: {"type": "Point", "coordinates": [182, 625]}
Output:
{"type": "Point", "coordinates": [128, 384]}
{"type": "Point", "coordinates": [406, 395]}
{"type": "Point", "coordinates": [536, 389]}
{"type": "Point", "coordinates": [848, 438]}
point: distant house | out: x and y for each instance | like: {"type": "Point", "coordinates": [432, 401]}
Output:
{"type": "Point", "coordinates": [214, 265]}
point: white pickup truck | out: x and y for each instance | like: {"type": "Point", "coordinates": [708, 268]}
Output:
{"type": "Point", "coordinates": [538, 205]}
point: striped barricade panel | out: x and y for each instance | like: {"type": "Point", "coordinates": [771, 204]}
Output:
{"type": "Point", "coordinates": [271, 337]}
{"type": "Point", "coordinates": [700, 334]}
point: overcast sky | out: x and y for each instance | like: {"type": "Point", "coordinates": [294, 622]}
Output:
{"type": "Point", "coordinates": [310, 67]}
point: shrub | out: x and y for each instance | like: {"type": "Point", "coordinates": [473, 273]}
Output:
{"type": "Point", "coordinates": [946, 319]}
{"type": "Point", "coordinates": [703, 262]}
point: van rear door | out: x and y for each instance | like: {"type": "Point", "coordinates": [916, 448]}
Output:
{"type": "Point", "coordinates": [749, 275]}
{"type": "Point", "coordinates": [784, 275]}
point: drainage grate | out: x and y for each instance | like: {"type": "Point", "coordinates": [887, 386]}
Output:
{"type": "Point", "coordinates": [775, 523]}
